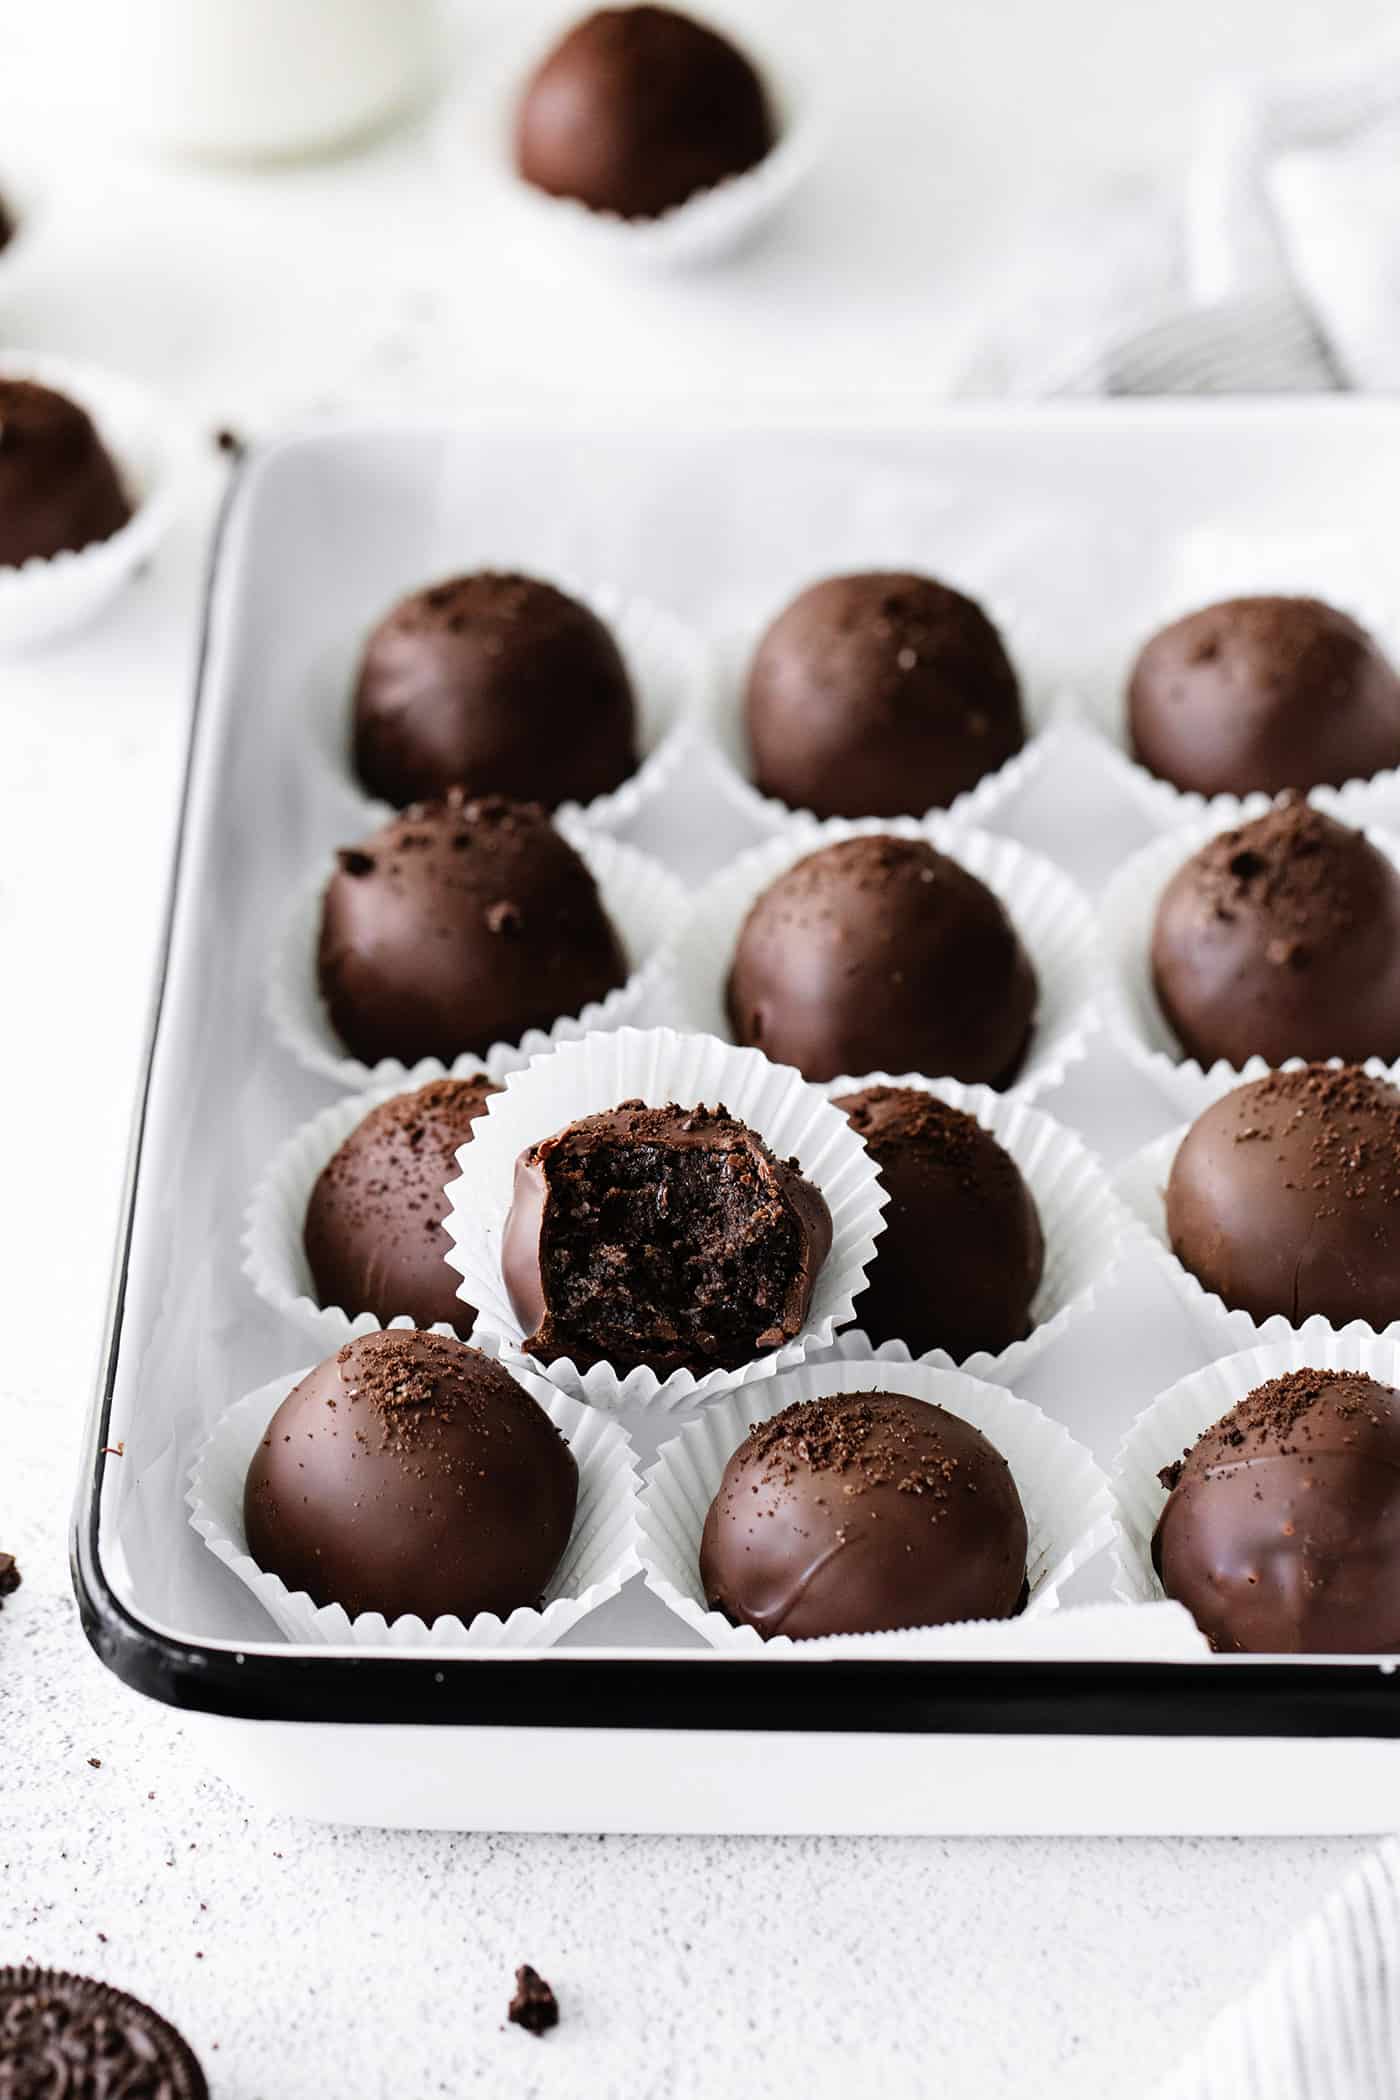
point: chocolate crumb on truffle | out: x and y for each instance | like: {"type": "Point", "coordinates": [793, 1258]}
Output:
{"type": "Point", "coordinates": [1281, 1533]}
{"type": "Point", "coordinates": [460, 924]}
{"type": "Point", "coordinates": [374, 1234]}
{"type": "Point", "coordinates": [860, 1513]}
{"type": "Point", "coordinates": [59, 490]}
{"type": "Point", "coordinates": [1284, 1196]}
{"type": "Point", "coordinates": [959, 1261]}
{"type": "Point", "coordinates": [663, 1236]}
{"type": "Point", "coordinates": [1282, 939]}
{"type": "Point", "coordinates": [638, 108]}
{"type": "Point", "coordinates": [1264, 693]}
{"type": "Point", "coordinates": [497, 684]}
{"type": "Point", "coordinates": [409, 1473]}
{"type": "Point", "coordinates": [880, 695]}
{"type": "Point", "coordinates": [879, 953]}
{"type": "Point", "coordinates": [9, 1576]}
{"type": "Point", "coordinates": [63, 2035]}
{"type": "Point", "coordinates": [534, 2006]}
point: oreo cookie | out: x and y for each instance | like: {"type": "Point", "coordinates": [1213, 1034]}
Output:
{"type": "Point", "coordinates": [95, 2039]}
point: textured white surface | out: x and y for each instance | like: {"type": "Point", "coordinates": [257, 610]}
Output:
{"type": "Point", "coordinates": [379, 1963]}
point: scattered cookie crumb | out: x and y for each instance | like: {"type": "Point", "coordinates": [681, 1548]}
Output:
{"type": "Point", "coordinates": [230, 442]}
{"type": "Point", "coordinates": [9, 1577]}
{"type": "Point", "coordinates": [96, 1763]}
{"type": "Point", "coordinates": [534, 2006]}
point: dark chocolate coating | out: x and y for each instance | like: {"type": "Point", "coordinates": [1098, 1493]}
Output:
{"type": "Point", "coordinates": [374, 1235]}
{"type": "Point", "coordinates": [408, 1473]}
{"type": "Point", "coordinates": [65, 2037]}
{"type": "Point", "coordinates": [1284, 1197]}
{"type": "Point", "coordinates": [7, 225]}
{"type": "Point", "coordinates": [881, 954]}
{"type": "Point", "coordinates": [960, 1258]}
{"type": "Point", "coordinates": [58, 487]}
{"type": "Point", "coordinates": [496, 684]}
{"type": "Point", "coordinates": [662, 1236]}
{"type": "Point", "coordinates": [880, 696]}
{"type": "Point", "coordinates": [1281, 1534]}
{"type": "Point", "coordinates": [1282, 939]}
{"type": "Point", "coordinates": [638, 108]}
{"type": "Point", "coordinates": [461, 924]}
{"type": "Point", "coordinates": [1264, 693]}
{"type": "Point", "coordinates": [861, 1513]}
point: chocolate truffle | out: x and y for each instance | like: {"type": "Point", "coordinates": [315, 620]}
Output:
{"type": "Point", "coordinates": [861, 1513]}
{"type": "Point", "coordinates": [1284, 1197]}
{"type": "Point", "coordinates": [881, 954]}
{"type": "Point", "coordinates": [663, 1236]}
{"type": "Point", "coordinates": [58, 487]}
{"type": "Point", "coordinates": [637, 109]}
{"type": "Point", "coordinates": [374, 1236]}
{"type": "Point", "coordinates": [65, 2037]}
{"type": "Point", "coordinates": [461, 924]}
{"type": "Point", "coordinates": [960, 1258]}
{"type": "Point", "coordinates": [1282, 939]}
{"type": "Point", "coordinates": [1281, 1534]}
{"type": "Point", "coordinates": [7, 225]}
{"type": "Point", "coordinates": [408, 1473]}
{"type": "Point", "coordinates": [496, 684]}
{"type": "Point", "coordinates": [1264, 693]}
{"type": "Point", "coordinates": [880, 696]}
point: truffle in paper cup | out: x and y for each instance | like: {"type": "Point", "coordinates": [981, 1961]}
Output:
{"type": "Point", "coordinates": [645, 903]}
{"type": "Point", "coordinates": [154, 458]}
{"type": "Point", "coordinates": [1047, 909]}
{"type": "Point", "coordinates": [274, 1247]}
{"type": "Point", "coordinates": [1085, 1227]}
{"type": "Point", "coordinates": [1172, 1423]}
{"type": "Point", "coordinates": [660, 1066]}
{"type": "Point", "coordinates": [601, 1554]}
{"type": "Point", "coordinates": [1069, 1510]}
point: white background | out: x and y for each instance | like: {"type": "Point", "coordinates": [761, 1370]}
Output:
{"type": "Point", "coordinates": [365, 1963]}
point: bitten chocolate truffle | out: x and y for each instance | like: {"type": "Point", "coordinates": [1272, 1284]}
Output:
{"type": "Point", "coordinates": [861, 1513]}
{"type": "Point", "coordinates": [1267, 693]}
{"type": "Point", "coordinates": [881, 954]}
{"type": "Point", "coordinates": [461, 924]}
{"type": "Point", "coordinates": [1282, 939]}
{"type": "Point", "coordinates": [662, 1236]}
{"type": "Point", "coordinates": [637, 109]}
{"type": "Point", "coordinates": [408, 1473]}
{"type": "Point", "coordinates": [959, 1261]}
{"type": "Point", "coordinates": [374, 1236]}
{"type": "Point", "coordinates": [58, 487]}
{"type": "Point", "coordinates": [1281, 1534]}
{"type": "Point", "coordinates": [496, 684]}
{"type": "Point", "coordinates": [880, 696]}
{"type": "Point", "coordinates": [65, 2037]}
{"type": "Point", "coordinates": [1284, 1197]}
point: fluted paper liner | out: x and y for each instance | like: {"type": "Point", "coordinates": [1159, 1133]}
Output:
{"type": "Point", "coordinates": [644, 901]}
{"type": "Point", "coordinates": [1068, 1506]}
{"type": "Point", "coordinates": [1172, 1423]}
{"type": "Point", "coordinates": [1159, 1632]}
{"type": "Point", "coordinates": [1127, 913]}
{"type": "Point", "coordinates": [1141, 1185]}
{"type": "Point", "coordinates": [599, 1558]}
{"type": "Point", "coordinates": [1047, 909]}
{"type": "Point", "coordinates": [660, 1066]}
{"type": "Point", "coordinates": [50, 595]}
{"type": "Point", "coordinates": [1084, 1225]}
{"type": "Point", "coordinates": [274, 1247]}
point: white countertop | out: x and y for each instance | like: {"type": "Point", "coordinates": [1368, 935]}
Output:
{"type": "Point", "coordinates": [301, 1959]}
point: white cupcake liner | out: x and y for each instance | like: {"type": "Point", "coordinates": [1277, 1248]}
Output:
{"type": "Point", "coordinates": [474, 138]}
{"type": "Point", "coordinates": [644, 901]}
{"type": "Point", "coordinates": [1069, 1509]}
{"type": "Point", "coordinates": [1141, 1185]}
{"type": "Point", "coordinates": [154, 457]}
{"type": "Point", "coordinates": [1084, 1225]}
{"type": "Point", "coordinates": [660, 1066]}
{"type": "Point", "coordinates": [1156, 1632]}
{"type": "Point", "coordinates": [1171, 1424]}
{"type": "Point", "coordinates": [1127, 913]}
{"type": "Point", "coordinates": [274, 1246]}
{"type": "Point", "coordinates": [601, 1554]}
{"type": "Point", "coordinates": [668, 664]}
{"type": "Point", "coordinates": [1048, 910]}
